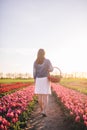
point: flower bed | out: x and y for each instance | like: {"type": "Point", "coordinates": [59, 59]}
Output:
{"type": "Point", "coordinates": [13, 106]}
{"type": "Point", "coordinates": [8, 87]}
{"type": "Point", "coordinates": [74, 101]}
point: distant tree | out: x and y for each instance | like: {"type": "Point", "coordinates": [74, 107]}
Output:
{"type": "Point", "coordinates": [1, 75]}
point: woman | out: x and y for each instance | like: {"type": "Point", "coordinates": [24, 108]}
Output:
{"type": "Point", "coordinates": [41, 69]}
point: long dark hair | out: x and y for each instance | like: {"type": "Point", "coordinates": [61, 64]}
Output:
{"type": "Point", "coordinates": [40, 56]}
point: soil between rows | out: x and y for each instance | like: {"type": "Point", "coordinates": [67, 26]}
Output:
{"type": "Point", "coordinates": [55, 120]}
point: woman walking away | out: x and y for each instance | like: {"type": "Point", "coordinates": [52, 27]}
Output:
{"type": "Point", "coordinates": [41, 69]}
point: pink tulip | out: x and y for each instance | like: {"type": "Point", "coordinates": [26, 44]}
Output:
{"type": "Point", "coordinates": [11, 115]}
{"type": "Point", "coordinates": [9, 110]}
{"type": "Point", "coordinates": [77, 119]}
{"type": "Point", "coordinates": [18, 111]}
{"type": "Point", "coordinates": [1, 127]}
{"type": "Point", "coordinates": [16, 115]}
{"type": "Point", "coordinates": [86, 110]}
{"type": "Point", "coordinates": [0, 118]}
{"type": "Point", "coordinates": [85, 122]}
{"type": "Point", "coordinates": [71, 113]}
{"type": "Point", "coordinates": [4, 122]}
{"type": "Point", "coordinates": [84, 117]}
{"type": "Point", "coordinates": [14, 120]}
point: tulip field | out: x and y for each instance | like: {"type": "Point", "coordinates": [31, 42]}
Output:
{"type": "Point", "coordinates": [15, 106]}
{"type": "Point", "coordinates": [9, 87]}
{"type": "Point", "coordinates": [17, 101]}
{"type": "Point", "coordinates": [74, 101]}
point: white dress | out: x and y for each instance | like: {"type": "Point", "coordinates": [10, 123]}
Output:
{"type": "Point", "coordinates": [42, 86]}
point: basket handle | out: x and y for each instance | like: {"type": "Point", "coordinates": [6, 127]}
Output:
{"type": "Point", "coordinates": [58, 69]}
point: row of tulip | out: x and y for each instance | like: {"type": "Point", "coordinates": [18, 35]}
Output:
{"type": "Point", "coordinates": [8, 87]}
{"type": "Point", "coordinates": [8, 84]}
{"type": "Point", "coordinates": [74, 101]}
{"type": "Point", "coordinates": [13, 105]}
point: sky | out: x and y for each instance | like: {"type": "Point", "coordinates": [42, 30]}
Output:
{"type": "Point", "coordinates": [57, 26]}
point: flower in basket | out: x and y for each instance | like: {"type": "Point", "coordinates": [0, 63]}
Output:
{"type": "Point", "coordinates": [54, 78]}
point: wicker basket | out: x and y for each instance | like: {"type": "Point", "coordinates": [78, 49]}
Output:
{"type": "Point", "coordinates": [55, 76]}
